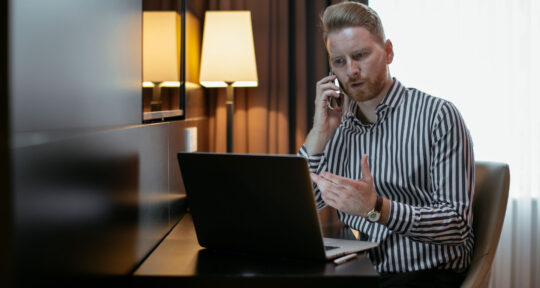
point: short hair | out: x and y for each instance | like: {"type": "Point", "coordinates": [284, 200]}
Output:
{"type": "Point", "coordinates": [351, 14]}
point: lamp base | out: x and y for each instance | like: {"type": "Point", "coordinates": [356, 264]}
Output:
{"type": "Point", "coordinates": [230, 116]}
{"type": "Point", "coordinates": [155, 104]}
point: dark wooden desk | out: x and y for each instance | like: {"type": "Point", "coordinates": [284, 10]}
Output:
{"type": "Point", "coordinates": [180, 261]}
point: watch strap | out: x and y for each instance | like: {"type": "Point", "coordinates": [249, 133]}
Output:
{"type": "Point", "coordinates": [378, 204]}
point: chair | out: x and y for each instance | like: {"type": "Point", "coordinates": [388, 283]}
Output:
{"type": "Point", "coordinates": [489, 207]}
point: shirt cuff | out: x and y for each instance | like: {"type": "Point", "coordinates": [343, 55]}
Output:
{"type": "Point", "coordinates": [401, 217]}
{"type": "Point", "coordinates": [313, 160]}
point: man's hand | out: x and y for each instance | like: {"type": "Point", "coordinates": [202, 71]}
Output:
{"type": "Point", "coordinates": [325, 121]}
{"type": "Point", "coordinates": [354, 197]}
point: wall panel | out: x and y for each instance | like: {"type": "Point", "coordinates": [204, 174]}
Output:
{"type": "Point", "coordinates": [91, 204]}
{"type": "Point", "coordinates": [92, 190]}
{"type": "Point", "coordinates": [75, 64]}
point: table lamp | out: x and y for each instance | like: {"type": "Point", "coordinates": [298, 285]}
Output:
{"type": "Point", "coordinates": [228, 57]}
{"type": "Point", "coordinates": [161, 52]}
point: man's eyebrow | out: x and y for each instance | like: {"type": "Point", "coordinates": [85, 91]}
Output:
{"type": "Point", "coordinates": [360, 50]}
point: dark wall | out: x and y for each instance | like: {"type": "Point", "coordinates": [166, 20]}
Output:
{"type": "Point", "coordinates": [6, 243]}
{"type": "Point", "coordinates": [92, 189]}
{"type": "Point", "coordinates": [76, 64]}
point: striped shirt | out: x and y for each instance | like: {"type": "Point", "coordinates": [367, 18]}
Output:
{"type": "Point", "coordinates": [421, 158]}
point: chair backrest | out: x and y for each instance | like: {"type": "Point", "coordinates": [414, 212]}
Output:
{"type": "Point", "coordinates": [489, 207]}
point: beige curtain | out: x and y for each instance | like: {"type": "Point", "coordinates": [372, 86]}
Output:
{"type": "Point", "coordinates": [275, 116]}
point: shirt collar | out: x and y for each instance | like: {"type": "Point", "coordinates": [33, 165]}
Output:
{"type": "Point", "coordinates": [394, 96]}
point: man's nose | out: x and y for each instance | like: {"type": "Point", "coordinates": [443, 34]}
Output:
{"type": "Point", "coordinates": [353, 70]}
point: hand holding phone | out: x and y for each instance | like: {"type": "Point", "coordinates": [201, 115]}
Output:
{"type": "Point", "coordinates": [334, 101]}
{"type": "Point", "coordinates": [328, 114]}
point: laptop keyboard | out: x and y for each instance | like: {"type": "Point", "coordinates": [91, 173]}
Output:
{"type": "Point", "coordinates": [328, 248]}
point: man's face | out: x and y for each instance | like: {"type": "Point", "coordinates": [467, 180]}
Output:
{"type": "Point", "coordinates": [360, 62]}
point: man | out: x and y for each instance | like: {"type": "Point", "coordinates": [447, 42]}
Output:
{"type": "Point", "coordinates": [396, 163]}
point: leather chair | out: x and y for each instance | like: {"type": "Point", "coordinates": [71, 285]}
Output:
{"type": "Point", "coordinates": [489, 207]}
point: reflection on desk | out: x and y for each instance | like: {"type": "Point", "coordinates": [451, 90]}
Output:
{"type": "Point", "coordinates": [212, 262]}
{"type": "Point", "coordinates": [179, 260]}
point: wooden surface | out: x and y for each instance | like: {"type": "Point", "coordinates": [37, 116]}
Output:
{"type": "Point", "coordinates": [180, 260]}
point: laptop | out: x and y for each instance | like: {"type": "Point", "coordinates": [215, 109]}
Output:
{"type": "Point", "coordinates": [258, 204]}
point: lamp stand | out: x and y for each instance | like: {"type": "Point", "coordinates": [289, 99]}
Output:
{"type": "Point", "coordinates": [155, 104]}
{"type": "Point", "coordinates": [230, 116]}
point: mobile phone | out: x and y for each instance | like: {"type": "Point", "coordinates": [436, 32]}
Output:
{"type": "Point", "coordinates": [333, 101]}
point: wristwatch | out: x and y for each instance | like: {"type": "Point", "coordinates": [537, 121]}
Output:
{"type": "Point", "coordinates": [375, 214]}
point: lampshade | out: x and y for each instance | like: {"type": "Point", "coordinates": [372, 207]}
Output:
{"type": "Point", "coordinates": [228, 53]}
{"type": "Point", "coordinates": [161, 47]}
{"type": "Point", "coordinates": [193, 50]}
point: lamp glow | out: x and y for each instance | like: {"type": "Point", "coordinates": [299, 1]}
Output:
{"type": "Point", "coordinates": [228, 57]}
{"type": "Point", "coordinates": [161, 52]}
{"type": "Point", "coordinates": [148, 84]}
{"type": "Point", "coordinates": [228, 52]}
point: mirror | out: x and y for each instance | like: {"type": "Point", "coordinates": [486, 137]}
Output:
{"type": "Point", "coordinates": [164, 89]}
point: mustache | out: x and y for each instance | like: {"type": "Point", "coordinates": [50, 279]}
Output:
{"type": "Point", "coordinates": [355, 80]}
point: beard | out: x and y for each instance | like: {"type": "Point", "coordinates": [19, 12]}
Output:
{"type": "Point", "coordinates": [370, 89]}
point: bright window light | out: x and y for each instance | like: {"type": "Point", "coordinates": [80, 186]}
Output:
{"type": "Point", "coordinates": [483, 56]}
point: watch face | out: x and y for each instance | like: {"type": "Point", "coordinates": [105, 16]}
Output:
{"type": "Point", "coordinates": [373, 216]}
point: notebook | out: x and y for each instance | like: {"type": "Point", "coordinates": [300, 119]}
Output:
{"type": "Point", "coordinates": [258, 204]}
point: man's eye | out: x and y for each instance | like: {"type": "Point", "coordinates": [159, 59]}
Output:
{"type": "Point", "coordinates": [338, 62]}
{"type": "Point", "coordinates": [359, 56]}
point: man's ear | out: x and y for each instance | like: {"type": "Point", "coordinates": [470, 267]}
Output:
{"type": "Point", "coordinates": [389, 48]}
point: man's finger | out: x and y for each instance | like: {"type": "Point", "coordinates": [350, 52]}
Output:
{"type": "Point", "coordinates": [333, 178]}
{"type": "Point", "coordinates": [321, 180]}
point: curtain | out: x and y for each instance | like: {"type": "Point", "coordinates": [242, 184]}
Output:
{"type": "Point", "coordinates": [483, 56]}
{"type": "Point", "coordinates": [275, 116]}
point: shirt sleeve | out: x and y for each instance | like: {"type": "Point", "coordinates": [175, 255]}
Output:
{"type": "Point", "coordinates": [448, 220]}
{"type": "Point", "coordinates": [315, 165]}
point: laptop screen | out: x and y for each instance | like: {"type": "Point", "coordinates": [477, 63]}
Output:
{"type": "Point", "coordinates": [251, 202]}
